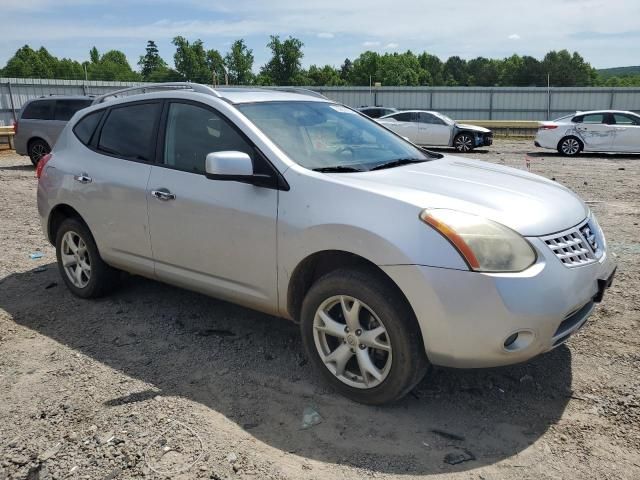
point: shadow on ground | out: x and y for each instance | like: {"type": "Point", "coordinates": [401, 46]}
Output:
{"type": "Point", "coordinates": [250, 367]}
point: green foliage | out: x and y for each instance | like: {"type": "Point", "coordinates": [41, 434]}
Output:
{"type": "Point", "coordinates": [285, 64]}
{"type": "Point", "coordinates": [239, 63]}
{"type": "Point", "coordinates": [195, 63]}
{"type": "Point", "coordinates": [151, 64]}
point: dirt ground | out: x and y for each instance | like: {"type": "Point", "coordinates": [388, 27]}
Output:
{"type": "Point", "coordinates": [159, 382]}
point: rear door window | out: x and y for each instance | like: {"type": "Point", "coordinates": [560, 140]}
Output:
{"type": "Point", "coordinates": [65, 109]}
{"type": "Point", "coordinates": [404, 117]}
{"type": "Point", "coordinates": [129, 131]}
{"type": "Point", "coordinates": [594, 118]}
{"type": "Point", "coordinates": [621, 119]}
{"type": "Point", "coordinates": [86, 126]}
{"type": "Point", "coordinates": [39, 110]}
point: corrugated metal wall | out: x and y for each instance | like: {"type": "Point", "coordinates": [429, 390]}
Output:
{"type": "Point", "coordinates": [462, 103]}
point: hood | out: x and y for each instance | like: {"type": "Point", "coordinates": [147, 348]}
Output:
{"type": "Point", "coordinates": [527, 203]}
{"type": "Point", "coordinates": [474, 128]}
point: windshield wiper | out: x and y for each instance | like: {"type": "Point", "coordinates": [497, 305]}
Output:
{"type": "Point", "coordinates": [398, 162]}
{"type": "Point", "coordinates": [337, 169]}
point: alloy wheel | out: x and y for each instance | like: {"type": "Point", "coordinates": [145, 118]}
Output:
{"type": "Point", "coordinates": [75, 259]}
{"type": "Point", "coordinates": [570, 146]}
{"type": "Point", "coordinates": [464, 143]}
{"type": "Point", "coordinates": [38, 151]}
{"type": "Point", "coordinates": [352, 342]}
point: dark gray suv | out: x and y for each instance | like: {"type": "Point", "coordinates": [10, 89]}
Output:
{"type": "Point", "coordinates": [41, 121]}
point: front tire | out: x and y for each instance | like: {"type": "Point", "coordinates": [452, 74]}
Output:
{"type": "Point", "coordinates": [38, 148]}
{"type": "Point", "coordinates": [362, 337]}
{"type": "Point", "coordinates": [464, 142]}
{"type": "Point", "coordinates": [81, 267]}
{"type": "Point", "coordinates": [570, 146]}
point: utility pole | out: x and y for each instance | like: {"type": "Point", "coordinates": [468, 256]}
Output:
{"type": "Point", "coordinates": [85, 73]}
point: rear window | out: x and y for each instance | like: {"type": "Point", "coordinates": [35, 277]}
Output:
{"type": "Point", "coordinates": [403, 117]}
{"type": "Point", "coordinates": [39, 110]}
{"type": "Point", "coordinates": [128, 132]}
{"type": "Point", "coordinates": [86, 126]}
{"type": "Point", "coordinates": [65, 109]}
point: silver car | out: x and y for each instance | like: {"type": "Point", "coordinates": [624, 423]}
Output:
{"type": "Point", "coordinates": [391, 258]}
{"type": "Point", "coordinates": [434, 129]}
{"type": "Point", "coordinates": [41, 121]}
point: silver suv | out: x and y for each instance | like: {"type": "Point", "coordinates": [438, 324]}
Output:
{"type": "Point", "coordinates": [391, 258]}
{"type": "Point", "coordinates": [41, 121]}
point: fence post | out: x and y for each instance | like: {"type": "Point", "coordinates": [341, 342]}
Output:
{"type": "Point", "coordinates": [430, 99]}
{"type": "Point", "coordinates": [613, 94]}
{"type": "Point", "coordinates": [549, 104]}
{"type": "Point", "coordinates": [491, 104]}
{"type": "Point", "coordinates": [13, 107]}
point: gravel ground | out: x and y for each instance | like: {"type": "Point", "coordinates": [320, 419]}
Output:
{"type": "Point", "coordinates": [160, 382]}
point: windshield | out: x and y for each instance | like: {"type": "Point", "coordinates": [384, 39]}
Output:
{"type": "Point", "coordinates": [326, 136]}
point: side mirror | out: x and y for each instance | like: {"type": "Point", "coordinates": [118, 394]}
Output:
{"type": "Point", "coordinates": [234, 166]}
{"type": "Point", "coordinates": [222, 165]}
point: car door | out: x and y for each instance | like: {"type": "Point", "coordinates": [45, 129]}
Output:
{"type": "Point", "coordinates": [595, 131]}
{"type": "Point", "coordinates": [37, 120]}
{"type": "Point", "coordinates": [627, 133]}
{"type": "Point", "coordinates": [404, 124]}
{"type": "Point", "coordinates": [110, 180]}
{"type": "Point", "coordinates": [214, 236]}
{"type": "Point", "coordinates": [433, 131]}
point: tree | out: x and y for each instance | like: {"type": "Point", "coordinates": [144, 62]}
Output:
{"type": "Point", "coordinates": [286, 60]}
{"type": "Point", "coordinates": [151, 64]}
{"type": "Point", "coordinates": [239, 62]}
{"type": "Point", "coordinates": [432, 66]}
{"type": "Point", "coordinates": [113, 65]}
{"type": "Point", "coordinates": [484, 72]}
{"type": "Point", "coordinates": [191, 60]}
{"type": "Point", "coordinates": [94, 55]}
{"type": "Point", "coordinates": [346, 69]}
{"type": "Point", "coordinates": [215, 64]}
{"type": "Point", "coordinates": [321, 76]}
{"type": "Point", "coordinates": [567, 70]}
{"type": "Point", "coordinates": [455, 71]}
{"type": "Point", "coordinates": [365, 68]}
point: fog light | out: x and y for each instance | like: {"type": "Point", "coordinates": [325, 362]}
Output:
{"type": "Point", "coordinates": [510, 339]}
{"type": "Point", "coordinates": [519, 340]}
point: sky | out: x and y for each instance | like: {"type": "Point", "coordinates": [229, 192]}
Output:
{"type": "Point", "coordinates": [605, 32]}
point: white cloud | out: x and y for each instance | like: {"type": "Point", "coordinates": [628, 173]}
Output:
{"type": "Point", "coordinates": [391, 46]}
{"type": "Point", "coordinates": [370, 43]}
{"type": "Point", "coordinates": [514, 36]}
{"type": "Point", "coordinates": [325, 35]}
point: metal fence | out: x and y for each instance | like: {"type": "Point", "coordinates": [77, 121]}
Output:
{"type": "Point", "coordinates": [463, 103]}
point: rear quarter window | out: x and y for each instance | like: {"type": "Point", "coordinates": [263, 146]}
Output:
{"type": "Point", "coordinates": [87, 125]}
{"type": "Point", "coordinates": [65, 109]}
{"type": "Point", "coordinates": [39, 110]}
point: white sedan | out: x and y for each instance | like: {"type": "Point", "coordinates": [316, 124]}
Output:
{"type": "Point", "coordinates": [595, 131]}
{"type": "Point", "coordinates": [427, 128]}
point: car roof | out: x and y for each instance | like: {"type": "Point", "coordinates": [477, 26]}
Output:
{"type": "Point", "coordinates": [410, 111]}
{"type": "Point", "coordinates": [62, 97]}
{"type": "Point", "coordinates": [590, 112]}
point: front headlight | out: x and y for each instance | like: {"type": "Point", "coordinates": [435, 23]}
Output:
{"type": "Point", "coordinates": [486, 246]}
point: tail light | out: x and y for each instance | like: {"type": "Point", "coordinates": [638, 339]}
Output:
{"type": "Point", "coordinates": [547, 127]}
{"type": "Point", "coordinates": [41, 164]}
{"type": "Point", "coordinates": [15, 127]}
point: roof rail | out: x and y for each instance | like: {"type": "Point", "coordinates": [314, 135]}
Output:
{"type": "Point", "coordinates": [196, 87]}
{"type": "Point", "coordinates": [301, 90]}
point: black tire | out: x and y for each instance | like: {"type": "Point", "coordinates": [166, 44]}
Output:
{"type": "Point", "coordinates": [464, 142]}
{"type": "Point", "coordinates": [409, 361]}
{"type": "Point", "coordinates": [570, 146]}
{"type": "Point", "coordinates": [102, 279]}
{"type": "Point", "coordinates": [37, 149]}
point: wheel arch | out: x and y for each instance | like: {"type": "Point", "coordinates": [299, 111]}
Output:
{"type": "Point", "coordinates": [58, 215]}
{"type": "Point", "coordinates": [318, 264]}
{"type": "Point", "coordinates": [35, 138]}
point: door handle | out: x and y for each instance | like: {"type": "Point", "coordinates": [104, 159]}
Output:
{"type": "Point", "coordinates": [83, 178]}
{"type": "Point", "coordinates": [620, 129]}
{"type": "Point", "coordinates": [163, 194]}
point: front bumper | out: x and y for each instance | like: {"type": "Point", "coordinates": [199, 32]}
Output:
{"type": "Point", "coordinates": [466, 317]}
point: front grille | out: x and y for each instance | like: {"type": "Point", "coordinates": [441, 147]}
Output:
{"type": "Point", "coordinates": [577, 246]}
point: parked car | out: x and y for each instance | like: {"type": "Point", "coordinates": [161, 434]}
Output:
{"type": "Point", "coordinates": [388, 256]}
{"type": "Point", "coordinates": [377, 112]}
{"type": "Point", "coordinates": [40, 122]}
{"type": "Point", "coordinates": [428, 128]}
{"type": "Point", "coordinates": [595, 131]}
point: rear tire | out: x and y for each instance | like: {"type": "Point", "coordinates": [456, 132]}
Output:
{"type": "Point", "coordinates": [570, 146]}
{"type": "Point", "coordinates": [379, 358]}
{"type": "Point", "coordinates": [81, 267]}
{"type": "Point", "coordinates": [38, 148]}
{"type": "Point", "coordinates": [464, 142]}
